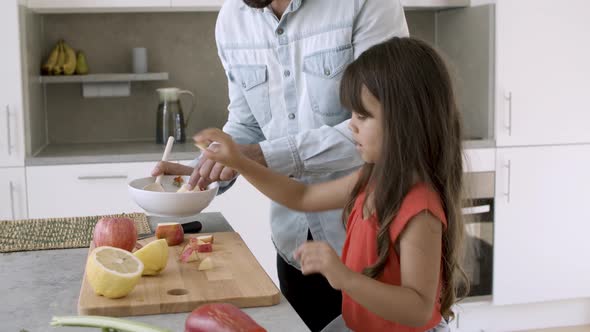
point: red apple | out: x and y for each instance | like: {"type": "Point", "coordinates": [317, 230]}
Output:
{"type": "Point", "coordinates": [220, 317]}
{"type": "Point", "coordinates": [172, 232]}
{"type": "Point", "coordinates": [116, 232]}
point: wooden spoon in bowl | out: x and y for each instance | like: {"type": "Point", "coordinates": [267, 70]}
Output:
{"type": "Point", "coordinates": [156, 186]}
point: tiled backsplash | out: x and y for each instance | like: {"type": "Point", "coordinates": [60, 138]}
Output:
{"type": "Point", "coordinates": [182, 44]}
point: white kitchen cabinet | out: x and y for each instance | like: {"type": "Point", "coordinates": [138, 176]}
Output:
{"type": "Point", "coordinates": [542, 222]}
{"type": "Point", "coordinates": [73, 6]}
{"type": "Point", "coordinates": [543, 72]}
{"type": "Point", "coordinates": [82, 190]}
{"type": "Point", "coordinates": [11, 113]}
{"type": "Point", "coordinates": [13, 193]}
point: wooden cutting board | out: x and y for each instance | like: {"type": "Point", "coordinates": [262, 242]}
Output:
{"type": "Point", "coordinates": [236, 278]}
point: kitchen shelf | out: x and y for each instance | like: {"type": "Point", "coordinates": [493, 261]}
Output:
{"type": "Point", "coordinates": [434, 4]}
{"type": "Point", "coordinates": [122, 6]}
{"type": "Point", "coordinates": [105, 85]}
{"type": "Point", "coordinates": [104, 78]}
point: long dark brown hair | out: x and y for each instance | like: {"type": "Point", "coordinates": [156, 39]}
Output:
{"type": "Point", "coordinates": [421, 137]}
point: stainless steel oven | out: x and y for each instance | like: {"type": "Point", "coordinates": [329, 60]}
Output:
{"type": "Point", "coordinates": [478, 215]}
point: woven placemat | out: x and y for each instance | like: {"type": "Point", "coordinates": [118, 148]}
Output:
{"type": "Point", "coordinates": [56, 233]}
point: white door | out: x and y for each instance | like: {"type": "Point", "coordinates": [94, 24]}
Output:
{"type": "Point", "coordinates": [13, 193]}
{"type": "Point", "coordinates": [542, 224]}
{"type": "Point", "coordinates": [543, 72]}
{"type": "Point", "coordinates": [11, 115]}
{"type": "Point", "coordinates": [83, 190]}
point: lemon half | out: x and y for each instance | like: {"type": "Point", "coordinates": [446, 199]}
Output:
{"type": "Point", "coordinates": [154, 257]}
{"type": "Point", "coordinates": [113, 272]}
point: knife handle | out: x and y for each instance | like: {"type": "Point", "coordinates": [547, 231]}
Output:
{"type": "Point", "coordinates": [192, 227]}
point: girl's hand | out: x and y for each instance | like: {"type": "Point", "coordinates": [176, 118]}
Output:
{"type": "Point", "coordinates": [319, 257]}
{"type": "Point", "coordinates": [221, 147]}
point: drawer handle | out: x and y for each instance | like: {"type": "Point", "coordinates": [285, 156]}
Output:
{"type": "Point", "coordinates": [102, 177]}
{"type": "Point", "coordinates": [11, 189]}
{"type": "Point", "coordinates": [508, 167]}
{"type": "Point", "coordinates": [8, 134]}
{"type": "Point", "coordinates": [508, 125]}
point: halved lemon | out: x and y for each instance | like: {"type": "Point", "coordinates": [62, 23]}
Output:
{"type": "Point", "coordinates": [113, 272]}
{"type": "Point", "coordinates": [154, 257]}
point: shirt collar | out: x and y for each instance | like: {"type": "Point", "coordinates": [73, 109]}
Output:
{"type": "Point", "coordinates": [295, 4]}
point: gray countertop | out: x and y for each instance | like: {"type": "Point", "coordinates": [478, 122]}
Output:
{"type": "Point", "coordinates": [91, 153]}
{"type": "Point", "coordinates": [37, 285]}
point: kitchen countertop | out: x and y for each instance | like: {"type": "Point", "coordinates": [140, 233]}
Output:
{"type": "Point", "coordinates": [91, 153]}
{"type": "Point", "coordinates": [37, 285]}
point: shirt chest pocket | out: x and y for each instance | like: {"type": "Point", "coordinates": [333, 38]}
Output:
{"type": "Point", "coordinates": [253, 80]}
{"type": "Point", "coordinates": [323, 72]}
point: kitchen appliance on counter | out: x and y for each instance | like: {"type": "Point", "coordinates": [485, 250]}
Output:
{"type": "Point", "coordinates": [170, 117]}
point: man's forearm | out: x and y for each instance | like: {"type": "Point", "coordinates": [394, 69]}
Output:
{"type": "Point", "coordinates": [311, 152]}
{"type": "Point", "coordinates": [254, 152]}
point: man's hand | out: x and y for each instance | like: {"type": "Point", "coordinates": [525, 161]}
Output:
{"type": "Point", "coordinates": [208, 170]}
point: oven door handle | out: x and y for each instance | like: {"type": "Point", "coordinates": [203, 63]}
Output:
{"type": "Point", "coordinates": [478, 209]}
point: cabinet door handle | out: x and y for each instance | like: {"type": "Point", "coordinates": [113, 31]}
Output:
{"type": "Point", "coordinates": [8, 134]}
{"type": "Point", "coordinates": [11, 189]}
{"type": "Point", "coordinates": [508, 123]}
{"type": "Point", "coordinates": [101, 177]}
{"type": "Point", "coordinates": [508, 171]}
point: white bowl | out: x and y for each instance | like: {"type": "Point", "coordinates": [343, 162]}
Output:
{"type": "Point", "coordinates": [169, 203]}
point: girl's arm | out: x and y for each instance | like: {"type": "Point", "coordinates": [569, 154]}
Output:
{"type": "Point", "coordinates": [411, 303]}
{"type": "Point", "coordinates": [281, 189]}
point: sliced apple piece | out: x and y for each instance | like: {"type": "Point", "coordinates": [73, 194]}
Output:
{"type": "Point", "coordinates": [204, 247]}
{"type": "Point", "coordinates": [188, 254]}
{"type": "Point", "coordinates": [172, 232]}
{"type": "Point", "coordinates": [206, 238]}
{"type": "Point", "coordinates": [206, 264]}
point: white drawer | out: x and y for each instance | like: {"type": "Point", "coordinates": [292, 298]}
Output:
{"type": "Point", "coordinates": [479, 160]}
{"type": "Point", "coordinates": [80, 190]}
{"type": "Point", "coordinates": [13, 193]}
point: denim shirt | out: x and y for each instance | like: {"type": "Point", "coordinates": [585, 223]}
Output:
{"type": "Point", "coordinates": [284, 77]}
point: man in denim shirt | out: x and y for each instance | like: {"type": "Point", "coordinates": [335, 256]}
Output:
{"type": "Point", "coordinates": [284, 60]}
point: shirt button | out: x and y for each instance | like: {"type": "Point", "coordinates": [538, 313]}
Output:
{"type": "Point", "coordinates": [291, 116]}
{"type": "Point", "coordinates": [287, 73]}
{"type": "Point", "coordinates": [280, 31]}
{"type": "Point", "coordinates": [244, 85]}
{"type": "Point", "coordinates": [327, 72]}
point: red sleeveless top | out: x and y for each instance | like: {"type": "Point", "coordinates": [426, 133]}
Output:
{"type": "Point", "coordinates": [360, 251]}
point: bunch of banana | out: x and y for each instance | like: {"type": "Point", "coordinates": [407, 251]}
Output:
{"type": "Point", "coordinates": [63, 60]}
